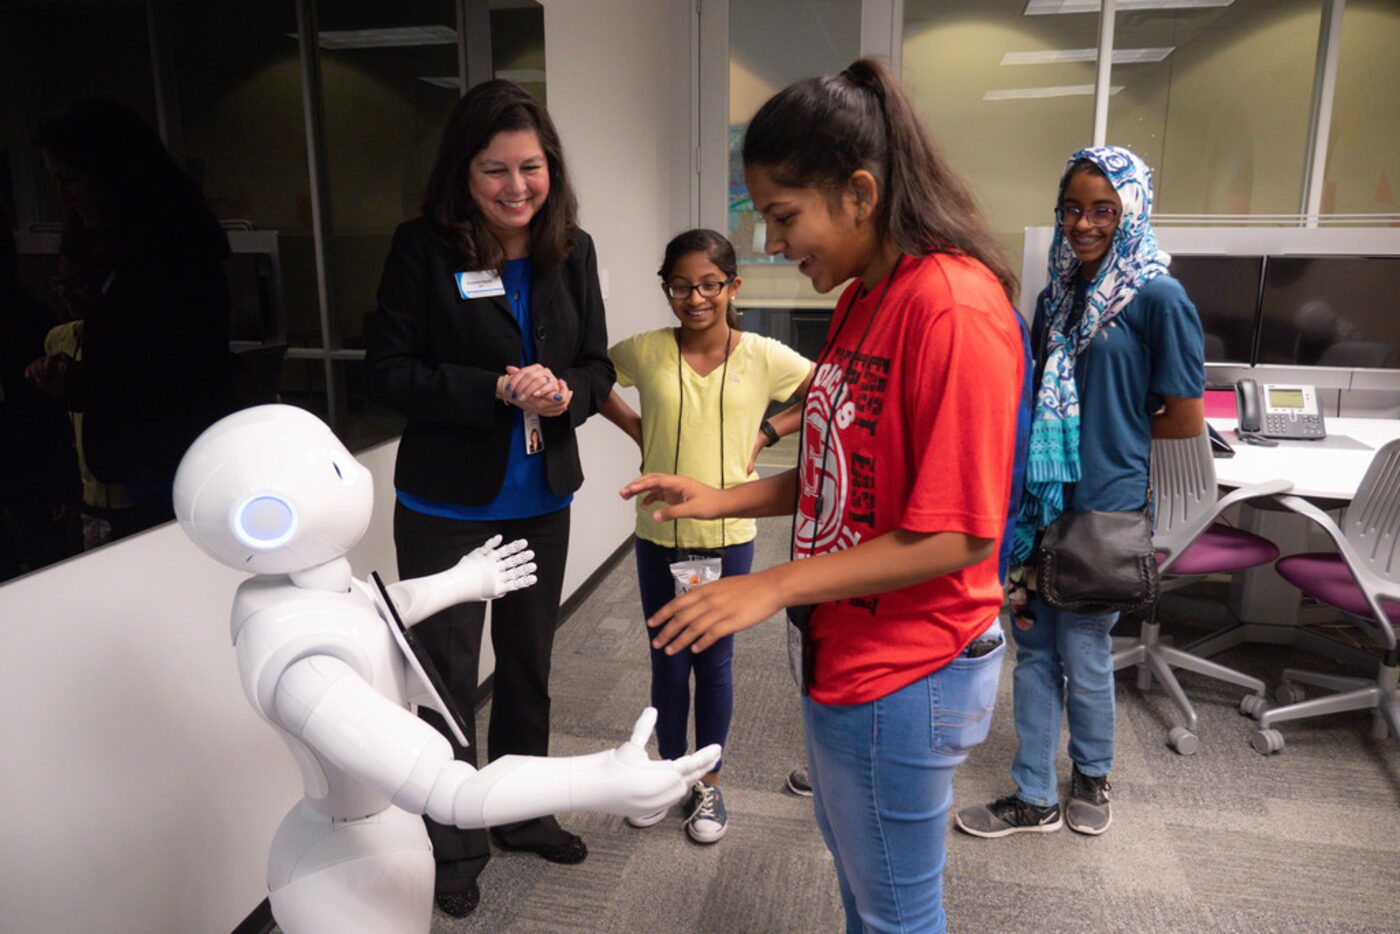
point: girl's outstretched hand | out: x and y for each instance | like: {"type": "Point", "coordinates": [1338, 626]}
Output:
{"type": "Point", "coordinates": [712, 611]}
{"type": "Point", "coordinates": [684, 498]}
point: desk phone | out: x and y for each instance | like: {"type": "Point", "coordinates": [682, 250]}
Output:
{"type": "Point", "coordinates": [1283, 412]}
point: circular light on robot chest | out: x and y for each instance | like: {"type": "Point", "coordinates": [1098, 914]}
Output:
{"type": "Point", "coordinates": [264, 521]}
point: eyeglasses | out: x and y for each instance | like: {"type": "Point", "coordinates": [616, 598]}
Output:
{"type": "Point", "coordinates": [679, 292]}
{"type": "Point", "coordinates": [1067, 215]}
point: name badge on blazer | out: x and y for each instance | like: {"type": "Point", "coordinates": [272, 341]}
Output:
{"type": "Point", "coordinates": [482, 284]}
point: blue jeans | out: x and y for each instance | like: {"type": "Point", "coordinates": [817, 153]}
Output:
{"type": "Point", "coordinates": [882, 781]}
{"type": "Point", "coordinates": [670, 674]}
{"type": "Point", "coordinates": [1064, 667]}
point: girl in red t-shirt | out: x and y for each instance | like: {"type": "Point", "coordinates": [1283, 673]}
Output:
{"type": "Point", "coordinates": [902, 487]}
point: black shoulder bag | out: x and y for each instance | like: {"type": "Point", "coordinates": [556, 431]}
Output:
{"type": "Point", "coordinates": [1099, 562]}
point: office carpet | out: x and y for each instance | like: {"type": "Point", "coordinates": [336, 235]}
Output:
{"type": "Point", "coordinates": [1225, 840]}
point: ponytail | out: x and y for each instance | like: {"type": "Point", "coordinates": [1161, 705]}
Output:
{"type": "Point", "coordinates": [818, 132]}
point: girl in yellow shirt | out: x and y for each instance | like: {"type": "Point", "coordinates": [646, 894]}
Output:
{"type": "Point", "coordinates": [704, 388]}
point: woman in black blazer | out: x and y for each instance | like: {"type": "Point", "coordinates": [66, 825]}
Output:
{"type": "Point", "coordinates": [490, 337]}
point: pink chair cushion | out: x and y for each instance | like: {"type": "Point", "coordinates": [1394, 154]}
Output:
{"type": "Point", "coordinates": [1327, 577]}
{"type": "Point", "coordinates": [1221, 549]}
{"type": "Point", "coordinates": [1220, 403]}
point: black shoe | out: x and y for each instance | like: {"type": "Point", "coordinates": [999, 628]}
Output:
{"type": "Point", "coordinates": [800, 783]}
{"type": "Point", "coordinates": [1088, 810]}
{"type": "Point", "coordinates": [459, 904]}
{"type": "Point", "coordinates": [1007, 816]}
{"type": "Point", "coordinates": [544, 838]}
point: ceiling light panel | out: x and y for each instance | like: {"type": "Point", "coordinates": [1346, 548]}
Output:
{"type": "Point", "coordinates": [1062, 90]}
{"type": "Point", "coordinates": [1053, 7]}
{"type": "Point", "coordinates": [393, 37]}
{"type": "Point", "coordinates": [1059, 56]}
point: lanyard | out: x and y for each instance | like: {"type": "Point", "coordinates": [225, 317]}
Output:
{"type": "Point", "coordinates": [846, 377]}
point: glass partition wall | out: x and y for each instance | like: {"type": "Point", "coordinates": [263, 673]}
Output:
{"type": "Point", "coordinates": [1238, 105]}
{"type": "Point", "coordinates": [310, 128]}
{"type": "Point", "coordinates": [323, 144]}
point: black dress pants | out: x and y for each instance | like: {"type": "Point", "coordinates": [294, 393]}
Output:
{"type": "Point", "coordinates": [522, 636]}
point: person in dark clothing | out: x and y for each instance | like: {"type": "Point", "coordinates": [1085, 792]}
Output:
{"type": "Point", "coordinates": [39, 489]}
{"type": "Point", "coordinates": [155, 369]}
{"type": "Point", "coordinates": [490, 337]}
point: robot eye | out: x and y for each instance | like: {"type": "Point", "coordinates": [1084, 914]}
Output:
{"type": "Point", "coordinates": [265, 521]}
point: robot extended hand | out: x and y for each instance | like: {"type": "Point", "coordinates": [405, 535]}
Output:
{"type": "Point", "coordinates": [490, 571]}
{"type": "Point", "coordinates": [502, 568]}
{"type": "Point", "coordinates": [620, 781]}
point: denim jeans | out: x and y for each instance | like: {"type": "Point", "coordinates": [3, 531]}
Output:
{"type": "Point", "coordinates": [670, 674]}
{"type": "Point", "coordinates": [882, 781]}
{"type": "Point", "coordinates": [1064, 668]}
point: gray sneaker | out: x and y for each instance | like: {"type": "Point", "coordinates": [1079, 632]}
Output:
{"type": "Point", "coordinates": [706, 819]}
{"type": "Point", "coordinates": [800, 783]}
{"type": "Point", "coordinates": [1088, 810]}
{"type": "Point", "coordinates": [1007, 816]}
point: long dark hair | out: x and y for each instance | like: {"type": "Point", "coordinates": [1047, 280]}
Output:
{"type": "Point", "coordinates": [717, 249]}
{"type": "Point", "coordinates": [817, 132]}
{"type": "Point", "coordinates": [146, 198]}
{"type": "Point", "coordinates": [487, 109]}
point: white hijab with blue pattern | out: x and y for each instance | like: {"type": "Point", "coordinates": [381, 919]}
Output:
{"type": "Point", "coordinates": [1132, 261]}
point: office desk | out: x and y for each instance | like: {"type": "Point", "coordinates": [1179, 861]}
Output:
{"type": "Point", "coordinates": [1327, 472]}
{"type": "Point", "coordinates": [1330, 469]}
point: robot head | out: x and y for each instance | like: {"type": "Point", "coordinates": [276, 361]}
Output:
{"type": "Point", "coordinates": [271, 490]}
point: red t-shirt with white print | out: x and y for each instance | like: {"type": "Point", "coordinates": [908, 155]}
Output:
{"type": "Point", "coordinates": [923, 440]}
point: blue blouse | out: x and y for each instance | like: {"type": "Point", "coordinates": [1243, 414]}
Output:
{"type": "Point", "coordinates": [525, 491]}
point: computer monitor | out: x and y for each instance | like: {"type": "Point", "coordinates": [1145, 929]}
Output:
{"type": "Point", "coordinates": [1341, 311]}
{"type": "Point", "coordinates": [1225, 291]}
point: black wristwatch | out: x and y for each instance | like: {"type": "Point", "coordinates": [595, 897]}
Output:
{"type": "Point", "coordinates": [769, 432]}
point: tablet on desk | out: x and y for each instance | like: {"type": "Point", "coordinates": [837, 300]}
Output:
{"type": "Point", "coordinates": [1219, 447]}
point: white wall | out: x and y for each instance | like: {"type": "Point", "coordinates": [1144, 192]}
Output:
{"type": "Point", "coordinates": [141, 791]}
{"type": "Point", "coordinates": [619, 91]}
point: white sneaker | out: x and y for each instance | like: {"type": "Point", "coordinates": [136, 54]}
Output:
{"type": "Point", "coordinates": [706, 820]}
{"type": "Point", "coordinates": [648, 820]}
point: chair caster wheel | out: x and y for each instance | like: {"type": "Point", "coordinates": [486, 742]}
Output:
{"type": "Point", "coordinates": [1266, 741]}
{"type": "Point", "coordinates": [1252, 705]}
{"type": "Point", "coordinates": [1289, 693]}
{"type": "Point", "coordinates": [1183, 741]}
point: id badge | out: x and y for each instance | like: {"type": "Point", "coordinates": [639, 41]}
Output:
{"type": "Point", "coordinates": [534, 438]}
{"type": "Point", "coordinates": [480, 284]}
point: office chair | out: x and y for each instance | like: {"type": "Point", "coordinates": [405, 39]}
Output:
{"type": "Point", "coordinates": [1362, 580]}
{"type": "Point", "coordinates": [1191, 545]}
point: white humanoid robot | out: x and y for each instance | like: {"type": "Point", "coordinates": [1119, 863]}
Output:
{"type": "Point", "coordinates": [272, 491]}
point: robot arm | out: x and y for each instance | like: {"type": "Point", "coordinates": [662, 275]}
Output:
{"type": "Point", "coordinates": [490, 571]}
{"type": "Point", "coordinates": [324, 702]}
{"type": "Point", "coordinates": [618, 781]}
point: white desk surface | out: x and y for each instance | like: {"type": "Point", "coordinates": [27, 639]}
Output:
{"type": "Point", "coordinates": [1328, 469]}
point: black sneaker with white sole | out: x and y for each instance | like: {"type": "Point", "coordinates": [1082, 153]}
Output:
{"type": "Point", "coordinates": [800, 783]}
{"type": "Point", "coordinates": [1007, 816]}
{"type": "Point", "coordinates": [1088, 810]}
